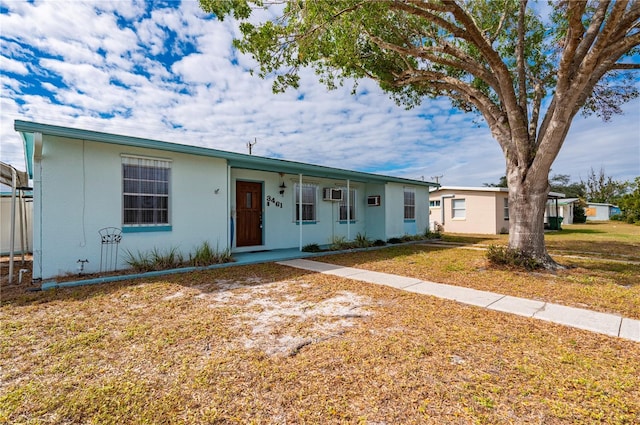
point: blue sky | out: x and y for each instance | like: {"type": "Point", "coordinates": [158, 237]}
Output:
{"type": "Point", "coordinates": [169, 72]}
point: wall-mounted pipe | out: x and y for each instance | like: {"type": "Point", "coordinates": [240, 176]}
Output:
{"type": "Point", "coordinates": [442, 198]}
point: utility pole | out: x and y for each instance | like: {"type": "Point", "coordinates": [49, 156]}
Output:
{"type": "Point", "coordinates": [250, 145]}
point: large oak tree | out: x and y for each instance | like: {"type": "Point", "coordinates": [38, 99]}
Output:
{"type": "Point", "coordinates": [526, 74]}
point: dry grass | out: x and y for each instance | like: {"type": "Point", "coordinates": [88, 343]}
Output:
{"type": "Point", "coordinates": [605, 278]}
{"type": "Point", "coordinates": [270, 344]}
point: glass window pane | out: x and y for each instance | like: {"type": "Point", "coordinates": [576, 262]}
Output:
{"type": "Point", "coordinates": [145, 191]}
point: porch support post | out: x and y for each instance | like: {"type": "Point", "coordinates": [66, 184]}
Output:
{"type": "Point", "coordinates": [300, 209]}
{"type": "Point", "coordinates": [230, 216]}
{"type": "Point", "coordinates": [14, 181]}
{"type": "Point", "coordinates": [22, 224]}
{"type": "Point", "coordinates": [348, 212]}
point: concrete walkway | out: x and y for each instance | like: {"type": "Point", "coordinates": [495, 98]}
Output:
{"type": "Point", "coordinates": [604, 323]}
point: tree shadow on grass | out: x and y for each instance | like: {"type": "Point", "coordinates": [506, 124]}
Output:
{"type": "Point", "coordinates": [571, 231]}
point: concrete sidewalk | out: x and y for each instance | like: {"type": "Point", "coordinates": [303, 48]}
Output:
{"type": "Point", "coordinates": [608, 324]}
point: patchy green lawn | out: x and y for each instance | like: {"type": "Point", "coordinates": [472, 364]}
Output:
{"type": "Point", "coordinates": [271, 344]}
{"type": "Point", "coordinates": [603, 271]}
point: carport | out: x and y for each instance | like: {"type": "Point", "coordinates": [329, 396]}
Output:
{"type": "Point", "coordinates": [18, 181]}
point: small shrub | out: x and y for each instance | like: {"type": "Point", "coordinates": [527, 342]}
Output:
{"type": "Point", "coordinates": [579, 214]}
{"type": "Point", "coordinates": [170, 259]}
{"type": "Point", "coordinates": [156, 259]}
{"type": "Point", "coordinates": [205, 255]}
{"type": "Point", "coordinates": [339, 243]}
{"type": "Point", "coordinates": [504, 231]}
{"type": "Point", "coordinates": [394, 240]}
{"type": "Point", "coordinates": [379, 242]}
{"type": "Point", "coordinates": [429, 234]}
{"type": "Point", "coordinates": [139, 261]}
{"type": "Point", "coordinates": [312, 247]}
{"type": "Point", "coordinates": [505, 256]}
{"type": "Point", "coordinates": [361, 241]}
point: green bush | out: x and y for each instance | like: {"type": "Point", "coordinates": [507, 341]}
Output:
{"type": "Point", "coordinates": [429, 234]}
{"type": "Point", "coordinates": [394, 240]}
{"type": "Point", "coordinates": [379, 242]}
{"type": "Point", "coordinates": [140, 262]}
{"type": "Point", "coordinates": [172, 258]}
{"type": "Point", "coordinates": [361, 241]}
{"type": "Point", "coordinates": [204, 255]}
{"type": "Point", "coordinates": [505, 256]}
{"type": "Point", "coordinates": [579, 214]}
{"type": "Point", "coordinates": [312, 247]}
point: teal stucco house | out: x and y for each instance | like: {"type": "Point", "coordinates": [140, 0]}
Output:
{"type": "Point", "coordinates": [161, 195]}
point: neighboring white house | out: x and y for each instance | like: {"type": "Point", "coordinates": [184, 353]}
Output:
{"type": "Point", "coordinates": [481, 210]}
{"type": "Point", "coordinates": [600, 211]}
{"type": "Point", "coordinates": [165, 195]}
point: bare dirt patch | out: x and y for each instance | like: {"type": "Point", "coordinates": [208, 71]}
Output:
{"type": "Point", "coordinates": [280, 323]}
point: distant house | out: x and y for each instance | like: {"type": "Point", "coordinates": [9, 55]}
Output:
{"type": "Point", "coordinates": [567, 209]}
{"type": "Point", "coordinates": [600, 211]}
{"type": "Point", "coordinates": [166, 195]}
{"type": "Point", "coordinates": [481, 210]}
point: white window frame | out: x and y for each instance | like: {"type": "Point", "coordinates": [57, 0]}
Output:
{"type": "Point", "coordinates": [313, 198]}
{"type": "Point", "coordinates": [153, 189]}
{"type": "Point", "coordinates": [506, 209]}
{"type": "Point", "coordinates": [343, 205]}
{"type": "Point", "coordinates": [411, 206]}
{"type": "Point", "coordinates": [458, 208]}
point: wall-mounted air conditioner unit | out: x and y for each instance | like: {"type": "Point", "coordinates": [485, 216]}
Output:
{"type": "Point", "coordinates": [373, 201]}
{"type": "Point", "coordinates": [331, 194]}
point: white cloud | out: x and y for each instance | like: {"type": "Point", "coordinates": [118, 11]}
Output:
{"type": "Point", "coordinates": [95, 66]}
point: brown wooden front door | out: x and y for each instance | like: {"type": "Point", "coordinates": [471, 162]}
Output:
{"type": "Point", "coordinates": [249, 213]}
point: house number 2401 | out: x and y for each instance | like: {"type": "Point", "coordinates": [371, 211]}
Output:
{"type": "Point", "coordinates": [272, 200]}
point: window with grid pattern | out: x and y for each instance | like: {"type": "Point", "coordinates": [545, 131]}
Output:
{"type": "Point", "coordinates": [145, 191]}
{"type": "Point", "coordinates": [506, 208]}
{"type": "Point", "coordinates": [350, 212]}
{"type": "Point", "coordinates": [409, 204]}
{"type": "Point", "coordinates": [309, 199]}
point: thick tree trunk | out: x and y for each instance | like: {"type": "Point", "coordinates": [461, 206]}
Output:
{"type": "Point", "coordinates": [527, 204]}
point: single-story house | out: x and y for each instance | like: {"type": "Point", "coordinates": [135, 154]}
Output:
{"type": "Point", "coordinates": [151, 194]}
{"type": "Point", "coordinates": [482, 210]}
{"type": "Point", "coordinates": [600, 211]}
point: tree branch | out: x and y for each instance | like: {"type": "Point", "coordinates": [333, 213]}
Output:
{"type": "Point", "coordinates": [627, 66]}
{"type": "Point", "coordinates": [575, 9]}
{"type": "Point", "coordinates": [463, 62]}
{"type": "Point", "coordinates": [503, 19]}
{"type": "Point", "coordinates": [592, 32]}
{"type": "Point", "coordinates": [520, 61]}
{"type": "Point", "coordinates": [516, 117]}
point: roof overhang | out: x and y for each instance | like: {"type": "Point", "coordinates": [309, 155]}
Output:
{"type": "Point", "coordinates": [237, 160]}
{"type": "Point", "coordinates": [551, 195]}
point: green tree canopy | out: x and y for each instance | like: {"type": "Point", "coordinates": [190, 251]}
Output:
{"type": "Point", "coordinates": [629, 203]}
{"type": "Point", "coordinates": [602, 188]}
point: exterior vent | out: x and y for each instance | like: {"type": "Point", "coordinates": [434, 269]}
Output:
{"type": "Point", "coordinates": [373, 201]}
{"type": "Point", "coordinates": [330, 194]}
